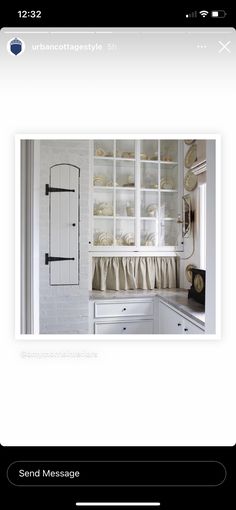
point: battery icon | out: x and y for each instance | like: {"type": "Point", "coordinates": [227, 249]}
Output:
{"type": "Point", "coordinates": [218, 14]}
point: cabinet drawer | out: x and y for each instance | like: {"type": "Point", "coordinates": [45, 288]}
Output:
{"type": "Point", "coordinates": [171, 323]}
{"type": "Point", "coordinates": [192, 329]}
{"type": "Point", "coordinates": [124, 309]}
{"type": "Point", "coordinates": [124, 328]}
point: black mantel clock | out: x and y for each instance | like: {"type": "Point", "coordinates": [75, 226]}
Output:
{"type": "Point", "coordinates": [197, 291]}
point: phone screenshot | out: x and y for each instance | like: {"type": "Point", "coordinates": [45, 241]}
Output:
{"type": "Point", "coordinates": [117, 258]}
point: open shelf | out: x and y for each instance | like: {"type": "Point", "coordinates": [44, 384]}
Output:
{"type": "Point", "coordinates": [168, 190]}
{"type": "Point", "coordinates": [101, 217]}
{"type": "Point", "coordinates": [104, 158]}
{"type": "Point", "coordinates": [175, 163]}
{"type": "Point", "coordinates": [103, 188]}
{"type": "Point", "coordinates": [150, 189]}
{"type": "Point", "coordinates": [125, 217]}
{"type": "Point", "coordinates": [149, 218]}
{"type": "Point", "coordinates": [131, 188]}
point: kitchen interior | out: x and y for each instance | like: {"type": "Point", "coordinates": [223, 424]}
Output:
{"type": "Point", "coordinates": [118, 236]}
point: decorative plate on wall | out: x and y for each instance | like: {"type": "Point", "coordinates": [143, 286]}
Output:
{"type": "Point", "coordinates": [188, 272]}
{"type": "Point", "coordinates": [191, 156]}
{"type": "Point", "coordinates": [190, 181]}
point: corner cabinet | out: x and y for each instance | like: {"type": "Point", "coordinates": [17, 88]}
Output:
{"type": "Point", "coordinates": [171, 322]}
{"type": "Point", "coordinates": [136, 199]}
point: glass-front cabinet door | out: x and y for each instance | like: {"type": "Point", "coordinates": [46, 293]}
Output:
{"type": "Point", "coordinates": [114, 195]}
{"type": "Point", "coordinates": [136, 200]}
{"type": "Point", "coordinates": [170, 198]}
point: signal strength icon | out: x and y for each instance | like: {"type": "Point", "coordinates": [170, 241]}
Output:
{"type": "Point", "coordinates": [192, 15]}
{"type": "Point", "coordinates": [203, 13]}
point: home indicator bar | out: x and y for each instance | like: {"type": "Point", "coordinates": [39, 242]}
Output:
{"type": "Point", "coordinates": [118, 504]}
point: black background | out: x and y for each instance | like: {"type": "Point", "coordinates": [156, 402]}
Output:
{"type": "Point", "coordinates": [218, 497]}
{"type": "Point", "coordinates": [112, 14]}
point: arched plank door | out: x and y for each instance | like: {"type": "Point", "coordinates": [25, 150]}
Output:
{"type": "Point", "coordinates": [63, 193]}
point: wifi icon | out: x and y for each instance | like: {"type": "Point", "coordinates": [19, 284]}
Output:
{"type": "Point", "coordinates": [204, 13]}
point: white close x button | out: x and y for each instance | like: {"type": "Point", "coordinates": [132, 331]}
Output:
{"type": "Point", "coordinates": [224, 46]}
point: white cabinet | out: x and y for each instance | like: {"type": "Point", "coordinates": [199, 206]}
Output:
{"type": "Point", "coordinates": [144, 327]}
{"type": "Point", "coordinates": [139, 316]}
{"type": "Point", "coordinates": [191, 329]}
{"type": "Point", "coordinates": [171, 322]}
{"type": "Point", "coordinates": [124, 309]}
{"type": "Point", "coordinates": [137, 187]}
{"type": "Point", "coordinates": [119, 317]}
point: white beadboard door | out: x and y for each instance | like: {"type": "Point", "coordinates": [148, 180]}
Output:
{"type": "Point", "coordinates": [64, 224]}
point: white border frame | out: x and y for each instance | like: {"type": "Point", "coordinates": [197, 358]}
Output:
{"type": "Point", "coordinates": [99, 136]}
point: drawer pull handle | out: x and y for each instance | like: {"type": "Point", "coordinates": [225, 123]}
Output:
{"type": "Point", "coordinates": [179, 324]}
{"type": "Point", "coordinates": [124, 329]}
{"type": "Point", "coordinates": [124, 310]}
{"type": "Point", "coordinates": [185, 329]}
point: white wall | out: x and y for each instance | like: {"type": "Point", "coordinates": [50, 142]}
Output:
{"type": "Point", "coordinates": [213, 235]}
{"type": "Point", "coordinates": [189, 256]}
{"type": "Point", "coordinates": [64, 309]}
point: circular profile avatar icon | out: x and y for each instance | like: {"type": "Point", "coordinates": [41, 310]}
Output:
{"type": "Point", "coordinates": [16, 46]}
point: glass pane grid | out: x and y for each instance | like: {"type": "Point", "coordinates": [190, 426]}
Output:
{"type": "Point", "coordinates": [104, 148]}
{"type": "Point", "coordinates": [103, 203]}
{"type": "Point", "coordinates": [125, 234]}
{"type": "Point", "coordinates": [103, 173]}
{"type": "Point", "coordinates": [116, 217]}
{"type": "Point", "coordinates": [149, 233]}
{"type": "Point", "coordinates": [125, 149]}
{"type": "Point", "coordinates": [149, 175]}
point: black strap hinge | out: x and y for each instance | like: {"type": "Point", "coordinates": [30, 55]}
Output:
{"type": "Point", "coordinates": [50, 189]}
{"type": "Point", "coordinates": [55, 259]}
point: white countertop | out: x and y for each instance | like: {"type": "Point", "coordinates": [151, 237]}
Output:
{"type": "Point", "coordinates": [175, 297]}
